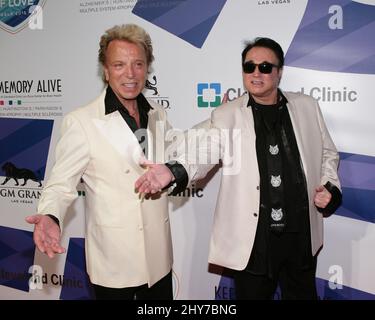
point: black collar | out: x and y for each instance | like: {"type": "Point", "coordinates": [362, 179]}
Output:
{"type": "Point", "coordinates": [281, 101]}
{"type": "Point", "coordinates": [112, 103]}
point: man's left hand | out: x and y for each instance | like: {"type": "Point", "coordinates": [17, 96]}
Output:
{"type": "Point", "coordinates": [322, 197]}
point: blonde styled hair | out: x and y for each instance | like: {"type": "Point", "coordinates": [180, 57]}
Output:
{"type": "Point", "coordinates": [130, 33]}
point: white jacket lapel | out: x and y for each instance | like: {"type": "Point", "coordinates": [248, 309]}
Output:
{"type": "Point", "coordinates": [119, 135]}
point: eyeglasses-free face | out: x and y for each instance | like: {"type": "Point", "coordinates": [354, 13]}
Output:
{"type": "Point", "coordinates": [264, 67]}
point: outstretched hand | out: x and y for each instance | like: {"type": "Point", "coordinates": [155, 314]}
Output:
{"type": "Point", "coordinates": [322, 197]}
{"type": "Point", "coordinates": [46, 234]}
{"type": "Point", "coordinates": [225, 98]}
{"type": "Point", "coordinates": [155, 179]}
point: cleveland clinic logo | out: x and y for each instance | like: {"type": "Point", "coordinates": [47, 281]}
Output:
{"type": "Point", "coordinates": [16, 15]}
{"type": "Point", "coordinates": [209, 95]}
{"type": "Point", "coordinates": [191, 192]}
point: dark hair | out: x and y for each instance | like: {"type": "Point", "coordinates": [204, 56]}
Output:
{"type": "Point", "coordinates": [265, 43]}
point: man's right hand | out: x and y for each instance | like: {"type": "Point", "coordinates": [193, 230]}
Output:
{"type": "Point", "coordinates": [46, 234]}
{"type": "Point", "coordinates": [155, 179]}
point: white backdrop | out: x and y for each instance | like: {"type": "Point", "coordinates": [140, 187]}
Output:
{"type": "Point", "coordinates": [58, 47]}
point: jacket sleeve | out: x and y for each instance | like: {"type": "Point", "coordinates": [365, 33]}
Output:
{"type": "Point", "coordinates": [329, 169]}
{"type": "Point", "coordinates": [330, 157]}
{"type": "Point", "coordinates": [335, 201]}
{"type": "Point", "coordinates": [72, 157]}
{"type": "Point", "coordinates": [202, 151]}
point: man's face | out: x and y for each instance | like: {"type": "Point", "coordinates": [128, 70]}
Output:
{"type": "Point", "coordinates": [125, 69]}
{"type": "Point", "coordinates": [263, 87]}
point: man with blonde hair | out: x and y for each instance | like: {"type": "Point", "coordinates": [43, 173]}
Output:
{"type": "Point", "coordinates": [128, 239]}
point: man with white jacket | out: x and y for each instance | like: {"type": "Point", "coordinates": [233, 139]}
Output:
{"type": "Point", "coordinates": [279, 178]}
{"type": "Point", "coordinates": [128, 238]}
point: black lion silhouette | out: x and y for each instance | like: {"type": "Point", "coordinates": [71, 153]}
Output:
{"type": "Point", "coordinates": [12, 172]}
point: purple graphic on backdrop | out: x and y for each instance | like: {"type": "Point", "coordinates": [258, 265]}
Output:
{"type": "Point", "coordinates": [190, 20]}
{"type": "Point", "coordinates": [334, 291]}
{"type": "Point", "coordinates": [325, 292]}
{"type": "Point", "coordinates": [357, 175]}
{"type": "Point", "coordinates": [17, 251]}
{"type": "Point", "coordinates": [335, 35]}
{"type": "Point", "coordinates": [76, 284]}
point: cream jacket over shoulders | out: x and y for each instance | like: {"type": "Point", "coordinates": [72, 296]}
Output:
{"type": "Point", "coordinates": [231, 127]}
{"type": "Point", "coordinates": [128, 241]}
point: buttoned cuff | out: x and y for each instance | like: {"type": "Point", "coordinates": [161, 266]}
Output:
{"type": "Point", "coordinates": [335, 202]}
{"type": "Point", "coordinates": [54, 219]}
{"type": "Point", "coordinates": [181, 178]}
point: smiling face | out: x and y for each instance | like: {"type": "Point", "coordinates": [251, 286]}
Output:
{"type": "Point", "coordinates": [125, 70]}
{"type": "Point", "coordinates": [262, 87]}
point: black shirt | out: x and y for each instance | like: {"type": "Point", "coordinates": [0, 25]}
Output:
{"type": "Point", "coordinates": [112, 104]}
{"type": "Point", "coordinates": [274, 120]}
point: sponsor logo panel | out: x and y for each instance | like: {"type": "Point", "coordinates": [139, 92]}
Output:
{"type": "Point", "coordinates": [24, 145]}
{"type": "Point", "coordinates": [105, 6]}
{"type": "Point", "coordinates": [31, 98]}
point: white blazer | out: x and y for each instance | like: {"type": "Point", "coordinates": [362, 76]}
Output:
{"type": "Point", "coordinates": [237, 207]}
{"type": "Point", "coordinates": [128, 241]}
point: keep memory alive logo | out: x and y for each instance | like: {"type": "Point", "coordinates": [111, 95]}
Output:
{"type": "Point", "coordinates": [24, 145]}
{"type": "Point", "coordinates": [15, 15]}
{"type": "Point", "coordinates": [31, 98]}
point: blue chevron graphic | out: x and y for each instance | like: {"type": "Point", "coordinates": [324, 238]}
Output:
{"type": "Point", "coordinates": [190, 20]}
{"type": "Point", "coordinates": [345, 293]}
{"type": "Point", "coordinates": [25, 143]}
{"type": "Point", "coordinates": [76, 285]}
{"type": "Point", "coordinates": [16, 256]}
{"type": "Point", "coordinates": [350, 49]}
{"type": "Point", "coordinates": [357, 176]}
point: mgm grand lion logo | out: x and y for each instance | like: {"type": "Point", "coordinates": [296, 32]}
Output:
{"type": "Point", "coordinates": [12, 172]}
{"type": "Point", "coordinates": [152, 85]}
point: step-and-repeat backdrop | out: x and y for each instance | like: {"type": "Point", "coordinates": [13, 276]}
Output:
{"type": "Point", "coordinates": [48, 67]}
